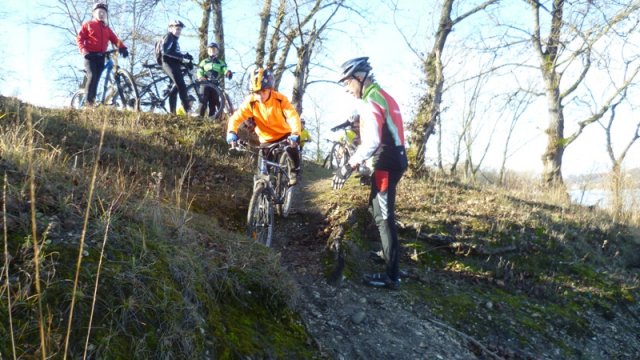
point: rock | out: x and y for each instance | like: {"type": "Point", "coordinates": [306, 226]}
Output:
{"type": "Point", "coordinates": [358, 317]}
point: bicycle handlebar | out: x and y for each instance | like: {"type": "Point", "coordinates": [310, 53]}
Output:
{"type": "Point", "coordinates": [344, 125]}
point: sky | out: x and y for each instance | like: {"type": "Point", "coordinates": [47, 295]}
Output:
{"type": "Point", "coordinates": [32, 76]}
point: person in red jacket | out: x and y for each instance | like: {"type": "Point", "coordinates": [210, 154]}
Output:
{"type": "Point", "coordinates": [93, 39]}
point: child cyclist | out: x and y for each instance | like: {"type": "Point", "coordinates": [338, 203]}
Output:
{"type": "Point", "coordinates": [275, 118]}
{"type": "Point", "coordinates": [212, 69]}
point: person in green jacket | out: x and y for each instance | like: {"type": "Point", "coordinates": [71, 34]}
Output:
{"type": "Point", "coordinates": [211, 69]}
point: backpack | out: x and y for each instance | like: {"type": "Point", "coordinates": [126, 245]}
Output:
{"type": "Point", "coordinates": [158, 51]}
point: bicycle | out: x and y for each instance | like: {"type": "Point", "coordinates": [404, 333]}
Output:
{"type": "Point", "coordinates": [270, 189]}
{"type": "Point", "coordinates": [118, 88]}
{"type": "Point", "coordinates": [155, 94]}
{"type": "Point", "coordinates": [341, 150]}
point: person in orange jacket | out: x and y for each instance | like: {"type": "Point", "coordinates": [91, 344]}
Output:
{"type": "Point", "coordinates": [275, 118]}
{"type": "Point", "coordinates": [93, 39]}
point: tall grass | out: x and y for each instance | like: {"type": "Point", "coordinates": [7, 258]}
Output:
{"type": "Point", "coordinates": [34, 233]}
{"type": "Point", "coordinates": [83, 235]}
{"type": "Point", "coordinates": [6, 264]}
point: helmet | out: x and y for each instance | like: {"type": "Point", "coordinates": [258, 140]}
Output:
{"type": "Point", "coordinates": [261, 79]}
{"type": "Point", "coordinates": [353, 66]}
{"type": "Point", "coordinates": [100, 6]}
{"type": "Point", "coordinates": [176, 23]}
{"type": "Point", "coordinates": [213, 45]}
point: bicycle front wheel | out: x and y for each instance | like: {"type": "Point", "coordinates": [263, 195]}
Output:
{"type": "Point", "coordinates": [77, 100]}
{"type": "Point", "coordinates": [337, 157]}
{"type": "Point", "coordinates": [284, 192]}
{"type": "Point", "coordinates": [260, 215]}
{"type": "Point", "coordinates": [127, 92]}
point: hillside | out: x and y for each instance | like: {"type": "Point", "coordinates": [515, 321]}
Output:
{"type": "Point", "coordinates": [490, 274]}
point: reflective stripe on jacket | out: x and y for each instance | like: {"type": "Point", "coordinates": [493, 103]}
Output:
{"type": "Point", "coordinates": [94, 36]}
{"type": "Point", "coordinates": [274, 118]}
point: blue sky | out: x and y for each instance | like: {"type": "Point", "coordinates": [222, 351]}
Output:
{"type": "Point", "coordinates": [30, 51]}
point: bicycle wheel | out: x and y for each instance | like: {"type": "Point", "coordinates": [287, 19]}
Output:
{"type": "Point", "coordinates": [77, 100]}
{"type": "Point", "coordinates": [260, 215]}
{"type": "Point", "coordinates": [127, 92]}
{"type": "Point", "coordinates": [337, 157]}
{"type": "Point", "coordinates": [217, 113]}
{"type": "Point", "coordinates": [284, 192]}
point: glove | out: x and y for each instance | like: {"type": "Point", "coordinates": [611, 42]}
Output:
{"type": "Point", "coordinates": [188, 56]}
{"type": "Point", "coordinates": [229, 74]}
{"type": "Point", "coordinates": [231, 137]}
{"type": "Point", "coordinates": [340, 177]}
{"type": "Point", "coordinates": [124, 52]}
{"type": "Point", "coordinates": [294, 138]}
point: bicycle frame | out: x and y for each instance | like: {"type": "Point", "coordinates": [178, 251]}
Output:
{"type": "Point", "coordinates": [158, 97]}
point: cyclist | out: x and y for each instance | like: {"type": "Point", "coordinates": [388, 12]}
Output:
{"type": "Point", "coordinates": [274, 116]}
{"type": "Point", "coordinates": [304, 134]}
{"type": "Point", "coordinates": [172, 60]}
{"type": "Point", "coordinates": [93, 38]}
{"type": "Point", "coordinates": [382, 136]}
{"type": "Point", "coordinates": [211, 68]}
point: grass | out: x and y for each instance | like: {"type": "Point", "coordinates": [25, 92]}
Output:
{"type": "Point", "coordinates": [153, 274]}
{"type": "Point", "coordinates": [523, 268]}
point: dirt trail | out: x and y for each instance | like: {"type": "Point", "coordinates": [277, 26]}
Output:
{"type": "Point", "coordinates": [350, 320]}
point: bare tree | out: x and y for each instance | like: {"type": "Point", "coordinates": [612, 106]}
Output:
{"type": "Point", "coordinates": [617, 183]}
{"type": "Point", "coordinates": [203, 29]}
{"type": "Point", "coordinates": [518, 103]}
{"type": "Point", "coordinates": [570, 46]}
{"type": "Point", "coordinates": [429, 105]}
{"type": "Point", "coordinates": [265, 18]}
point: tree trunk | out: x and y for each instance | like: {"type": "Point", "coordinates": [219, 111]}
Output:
{"type": "Point", "coordinates": [275, 37]}
{"type": "Point", "coordinates": [203, 29]}
{"type": "Point", "coordinates": [552, 157]}
{"type": "Point", "coordinates": [265, 17]}
{"type": "Point", "coordinates": [218, 28]}
{"type": "Point", "coordinates": [429, 109]}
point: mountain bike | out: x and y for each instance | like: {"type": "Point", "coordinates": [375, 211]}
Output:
{"type": "Point", "coordinates": [342, 149]}
{"type": "Point", "coordinates": [271, 190]}
{"type": "Point", "coordinates": [118, 88]}
{"type": "Point", "coordinates": [155, 86]}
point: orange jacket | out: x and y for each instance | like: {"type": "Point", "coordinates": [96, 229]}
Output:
{"type": "Point", "coordinates": [275, 118]}
{"type": "Point", "coordinates": [94, 36]}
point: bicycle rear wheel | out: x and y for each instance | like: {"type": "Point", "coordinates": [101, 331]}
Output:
{"type": "Point", "coordinates": [260, 215]}
{"type": "Point", "coordinates": [217, 113]}
{"type": "Point", "coordinates": [284, 192]}
{"type": "Point", "coordinates": [77, 100]}
{"type": "Point", "coordinates": [127, 92]}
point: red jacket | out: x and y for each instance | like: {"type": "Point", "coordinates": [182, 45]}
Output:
{"type": "Point", "coordinates": [94, 36]}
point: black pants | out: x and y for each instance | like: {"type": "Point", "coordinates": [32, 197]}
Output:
{"type": "Point", "coordinates": [382, 204]}
{"type": "Point", "coordinates": [173, 69]}
{"type": "Point", "coordinates": [210, 97]}
{"type": "Point", "coordinates": [93, 65]}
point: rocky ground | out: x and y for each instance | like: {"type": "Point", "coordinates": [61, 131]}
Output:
{"type": "Point", "coordinates": [349, 320]}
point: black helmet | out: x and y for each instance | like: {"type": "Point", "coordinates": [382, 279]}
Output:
{"type": "Point", "coordinates": [353, 66]}
{"type": "Point", "coordinates": [213, 45]}
{"type": "Point", "coordinates": [176, 23]}
{"type": "Point", "coordinates": [100, 6]}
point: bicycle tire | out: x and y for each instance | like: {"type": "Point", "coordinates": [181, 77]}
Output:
{"type": "Point", "coordinates": [218, 112]}
{"type": "Point", "coordinates": [338, 156]}
{"type": "Point", "coordinates": [260, 215]}
{"type": "Point", "coordinates": [283, 191]}
{"type": "Point", "coordinates": [77, 100]}
{"type": "Point", "coordinates": [127, 92]}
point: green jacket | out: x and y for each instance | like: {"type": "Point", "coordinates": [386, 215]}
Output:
{"type": "Point", "coordinates": [211, 69]}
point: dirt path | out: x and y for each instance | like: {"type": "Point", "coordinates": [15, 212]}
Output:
{"type": "Point", "coordinates": [350, 320]}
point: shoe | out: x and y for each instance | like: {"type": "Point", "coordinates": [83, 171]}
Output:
{"type": "Point", "coordinates": [293, 177]}
{"type": "Point", "coordinates": [381, 280]}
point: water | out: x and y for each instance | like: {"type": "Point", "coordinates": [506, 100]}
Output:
{"type": "Point", "coordinates": [602, 198]}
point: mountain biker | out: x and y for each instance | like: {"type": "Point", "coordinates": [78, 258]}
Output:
{"type": "Point", "coordinates": [211, 68]}
{"type": "Point", "coordinates": [382, 136]}
{"type": "Point", "coordinates": [172, 60]}
{"type": "Point", "coordinates": [304, 134]}
{"type": "Point", "coordinates": [275, 118]}
{"type": "Point", "coordinates": [93, 38]}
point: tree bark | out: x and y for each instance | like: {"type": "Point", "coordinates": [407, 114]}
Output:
{"type": "Point", "coordinates": [203, 29]}
{"type": "Point", "coordinates": [265, 17]}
